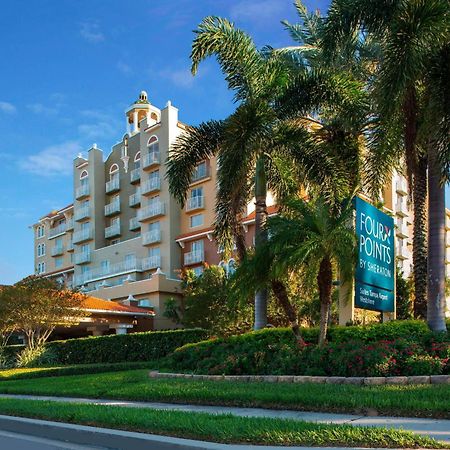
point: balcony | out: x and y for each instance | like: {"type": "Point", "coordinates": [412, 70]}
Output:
{"type": "Point", "coordinates": [152, 262]}
{"type": "Point", "coordinates": [112, 208]}
{"type": "Point", "coordinates": [402, 229]}
{"type": "Point", "coordinates": [82, 191]}
{"type": "Point", "coordinates": [194, 257]}
{"type": "Point", "coordinates": [135, 199]}
{"type": "Point", "coordinates": [200, 173]}
{"type": "Point", "coordinates": [135, 175]}
{"type": "Point", "coordinates": [401, 207]}
{"type": "Point", "coordinates": [113, 230]}
{"type": "Point", "coordinates": [401, 186]}
{"type": "Point", "coordinates": [151, 237]}
{"type": "Point", "coordinates": [151, 159]}
{"type": "Point", "coordinates": [82, 258]}
{"type": "Point", "coordinates": [150, 211]}
{"type": "Point", "coordinates": [113, 185]}
{"type": "Point", "coordinates": [69, 224]}
{"type": "Point", "coordinates": [194, 203]}
{"type": "Point", "coordinates": [60, 229]}
{"type": "Point", "coordinates": [82, 235]}
{"type": "Point", "coordinates": [151, 185]}
{"type": "Point", "coordinates": [111, 270]}
{"type": "Point", "coordinates": [70, 247]}
{"type": "Point", "coordinates": [82, 213]}
{"type": "Point", "coordinates": [57, 250]}
{"type": "Point", "coordinates": [403, 252]}
{"type": "Point", "coordinates": [134, 224]}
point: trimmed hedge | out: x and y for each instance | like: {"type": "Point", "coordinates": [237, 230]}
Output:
{"type": "Point", "coordinates": [354, 350]}
{"type": "Point", "coordinates": [147, 346]}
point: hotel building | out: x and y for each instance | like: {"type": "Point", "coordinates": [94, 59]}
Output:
{"type": "Point", "coordinates": [125, 238]}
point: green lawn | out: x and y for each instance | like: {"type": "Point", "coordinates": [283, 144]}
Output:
{"type": "Point", "coordinates": [410, 400]}
{"type": "Point", "coordinates": [217, 428]}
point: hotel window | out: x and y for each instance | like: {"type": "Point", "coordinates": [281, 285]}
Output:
{"type": "Point", "coordinates": [40, 231]}
{"type": "Point", "coordinates": [104, 266]}
{"type": "Point", "coordinates": [41, 250]}
{"type": "Point", "coordinates": [85, 249]}
{"type": "Point", "coordinates": [58, 262]}
{"type": "Point", "coordinates": [41, 268]}
{"type": "Point", "coordinates": [130, 261]}
{"type": "Point", "coordinates": [197, 270]}
{"type": "Point", "coordinates": [199, 172]}
{"type": "Point", "coordinates": [197, 246]}
{"type": "Point", "coordinates": [113, 171]}
{"type": "Point", "coordinates": [137, 160]}
{"type": "Point", "coordinates": [196, 220]}
{"type": "Point", "coordinates": [153, 145]}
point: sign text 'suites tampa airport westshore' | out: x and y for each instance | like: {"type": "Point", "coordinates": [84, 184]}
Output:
{"type": "Point", "coordinates": [375, 269]}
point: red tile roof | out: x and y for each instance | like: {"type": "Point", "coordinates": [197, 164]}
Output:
{"type": "Point", "coordinates": [98, 304]}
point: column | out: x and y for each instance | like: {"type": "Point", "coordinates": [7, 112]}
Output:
{"type": "Point", "coordinates": [120, 328]}
{"type": "Point", "coordinates": [135, 121]}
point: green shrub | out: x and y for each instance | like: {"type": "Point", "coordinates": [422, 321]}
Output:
{"type": "Point", "coordinates": [148, 346]}
{"type": "Point", "coordinates": [36, 357]}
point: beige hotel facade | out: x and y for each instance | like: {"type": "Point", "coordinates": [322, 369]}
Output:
{"type": "Point", "coordinates": [125, 238]}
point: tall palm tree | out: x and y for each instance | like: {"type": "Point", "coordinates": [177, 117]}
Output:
{"type": "Point", "coordinates": [410, 33]}
{"type": "Point", "coordinates": [310, 235]}
{"type": "Point", "coordinates": [253, 145]}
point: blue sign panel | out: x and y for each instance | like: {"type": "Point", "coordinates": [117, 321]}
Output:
{"type": "Point", "coordinates": [375, 270]}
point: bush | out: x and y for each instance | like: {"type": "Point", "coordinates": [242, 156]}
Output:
{"type": "Point", "coordinates": [36, 357]}
{"type": "Point", "coordinates": [146, 346]}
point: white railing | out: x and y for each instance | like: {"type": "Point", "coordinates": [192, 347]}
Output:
{"type": "Point", "coordinates": [135, 199]}
{"type": "Point", "coordinates": [150, 185]}
{"type": "Point", "coordinates": [402, 207]}
{"type": "Point", "coordinates": [113, 185]}
{"type": "Point", "coordinates": [151, 158]}
{"type": "Point", "coordinates": [82, 257]}
{"type": "Point", "coordinates": [401, 186]}
{"type": "Point", "coordinates": [112, 207]}
{"type": "Point", "coordinates": [134, 223]}
{"type": "Point", "coordinates": [97, 273]}
{"type": "Point", "coordinates": [194, 257]}
{"type": "Point", "coordinates": [82, 213]}
{"type": "Point", "coordinates": [150, 211]}
{"type": "Point", "coordinates": [82, 235]}
{"type": "Point", "coordinates": [113, 230]}
{"type": "Point", "coordinates": [135, 175]}
{"type": "Point", "coordinates": [152, 262]}
{"type": "Point", "coordinates": [82, 191]}
{"type": "Point", "coordinates": [195, 203]}
{"type": "Point", "coordinates": [57, 250]}
{"type": "Point", "coordinates": [150, 237]}
{"type": "Point", "coordinates": [402, 228]}
{"type": "Point", "coordinates": [61, 228]}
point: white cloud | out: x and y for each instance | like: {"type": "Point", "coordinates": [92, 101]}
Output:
{"type": "Point", "coordinates": [182, 77]}
{"type": "Point", "coordinates": [97, 130]}
{"type": "Point", "coordinates": [91, 32]}
{"type": "Point", "coordinates": [261, 11]}
{"type": "Point", "coordinates": [53, 160]}
{"type": "Point", "coordinates": [7, 108]}
{"type": "Point", "coordinates": [39, 108]}
{"type": "Point", "coordinates": [124, 68]}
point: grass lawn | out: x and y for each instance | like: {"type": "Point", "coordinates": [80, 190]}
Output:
{"type": "Point", "coordinates": [410, 400]}
{"type": "Point", "coordinates": [217, 428]}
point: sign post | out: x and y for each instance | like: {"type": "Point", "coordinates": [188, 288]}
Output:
{"type": "Point", "coordinates": [375, 269]}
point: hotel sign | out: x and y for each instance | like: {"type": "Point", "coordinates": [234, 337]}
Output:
{"type": "Point", "coordinates": [375, 269]}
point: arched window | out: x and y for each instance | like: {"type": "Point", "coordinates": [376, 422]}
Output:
{"type": "Point", "coordinates": [113, 171]}
{"type": "Point", "coordinates": [231, 266]}
{"type": "Point", "coordinates": [137, 157]}
{"type": "Point", "coordinates": [84, 174]}
{"type": "Point", "coordinates": [154, 116]}
{"type": "Point", "coordinates": [152, 141]}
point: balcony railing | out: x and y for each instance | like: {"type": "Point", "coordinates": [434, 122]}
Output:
{"type": "Point", "coordinates": [151, 159]}
{"type": "Point", "coordinates": [151, 185]}
{"type": "Point", "coordinates": [194, 257]}
{"type": "Point", "coordinates": [135, 175]}
{"type": "Point", "coordinates": [57, 250]}
{"type": "Point", "coordinates": [82, 213]}
{"type": "Point", "coordinates": [70, 247]}
{"type": "Point", "coordinates": [82, 235]}
{"type": "Point", "coordinates": [113, 185]}
{"type": "Point", "coordinates": [60, 229]}
{"type": "Point", "coordinates": [401, 207]}
{"type": "Point", "coordinates": [111, 270]}
{"type": "Point", "coordinates": [112, 208]}
{"type": "Point", "coordinates": [152, 262]}
{"type": "Point", "coordinates": [135, 199]}
{"type": "Point", "coordinates": [134, 224]}
{"type": "Point", "coordinates": [195, 203]}
{"type": "Point", "coordinates": [82, 191]}
{"type": "Point", "coordinates": [401, 186]}
{"type": "Point", "coordinates": [151, 237]}
{"type": "Point", "coordinates": [150, 211]}
{"type": "Point", "coordinates": [69, 224]}
{"type": "Point", "coordinates": [402, 228]}
{"type": "Point", "coordinates": [113, 230]}
{"type": "Point", "coordinates": [82, 258]}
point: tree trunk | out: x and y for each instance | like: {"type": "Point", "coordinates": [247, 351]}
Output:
{"type": "Point", "coordinates": [420, 238]}
{"type": "Point", "coordinates": [324, 283]}
{"type": "Point", "coordinates": [260, 237]}
{"type": "Point", "coordinates": [436, 244]}
{"type": "Point", "coordinates": [279, 290]}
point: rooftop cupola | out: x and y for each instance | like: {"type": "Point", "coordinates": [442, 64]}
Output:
{"type": "Point", "coordinates": [139, 110]}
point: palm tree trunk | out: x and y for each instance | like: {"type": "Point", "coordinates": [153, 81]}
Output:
{"type": "Point", "coordinates": [420, 238]}
{"type": "Point", "coordinates": [260, 237]}
{"type": "Point", "coordinates": [279, 290]}
{"type": "Point", "coordinates": [436, 244]}
{"type": "Point", "coordinates": [324, 283]}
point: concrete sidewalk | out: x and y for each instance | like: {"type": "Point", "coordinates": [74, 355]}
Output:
{"type": "Point", "coordinates": [435, 428]}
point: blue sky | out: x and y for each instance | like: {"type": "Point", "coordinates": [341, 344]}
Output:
{"type": "Point", "coordinates": [70, 68]}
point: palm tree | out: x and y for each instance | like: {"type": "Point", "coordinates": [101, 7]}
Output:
{"type": "Point", "coordinates": [410, 34]}
{"type": "Point", "coordinates": [253, 145]}
{"type": "Point", "coordinates": [313, 236]}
